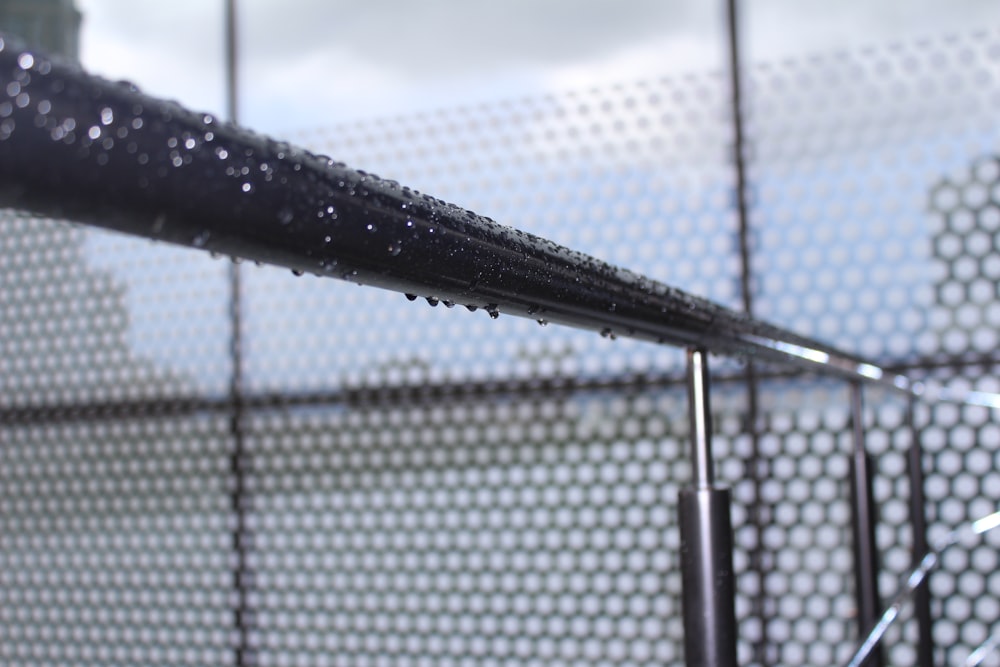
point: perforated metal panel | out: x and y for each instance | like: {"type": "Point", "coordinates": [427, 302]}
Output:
{"type": "Point", "coordinates": [397, 484]}
{"type": "Point", "coordinates": [499, 532]}
{"type": "Point", "coordinates": [115, 542]}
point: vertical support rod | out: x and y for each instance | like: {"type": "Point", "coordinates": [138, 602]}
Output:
{"type": "Point", "coordinates": [739, 154]}
{"type": "Point", "coordinates": [756, 466]}
{"type": "Point", "coordinates": [918, 524]}
{"type": "Point", "coordinates": [232, 107]}
{"type": "Point", "coordinates": [706, 541]}
{"type": "Point", "coordinates": [864, 519]}
{"type": "Point", "coordinates": [699, 412]}
{"type": "Point", "coordinates": [239, 463]}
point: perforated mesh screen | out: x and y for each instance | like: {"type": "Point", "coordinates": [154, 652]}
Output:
{"type": "Point", "coordinates": [116, 543]}
{"type": "Point", "coordinates": [403, 485]}
{"type": "Point", "coordinates": [500, 532]}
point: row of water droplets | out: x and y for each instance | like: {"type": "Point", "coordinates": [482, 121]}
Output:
{"type": "Point", "coordinates": [117, 127]}
{"type": "Point", "coordinates": [16, 89]}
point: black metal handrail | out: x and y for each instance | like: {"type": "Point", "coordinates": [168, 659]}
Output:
{"type": "Point", "coordinates": [127, 161]}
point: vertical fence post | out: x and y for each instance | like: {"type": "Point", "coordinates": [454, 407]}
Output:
{"type": "Point", "coordinates": [918, 524]}
{"type": "Point", "coordinates": [706, 539]}
{"type": "Point", "coordinates": [243, 576]}
{"type": "Point", "coordinates": [863, 526]}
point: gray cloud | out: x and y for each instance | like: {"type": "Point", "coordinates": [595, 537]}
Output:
{"type": "Point", "coordinates": [310, 62]}
{"type": "Point", "coordinates": [448, 37]}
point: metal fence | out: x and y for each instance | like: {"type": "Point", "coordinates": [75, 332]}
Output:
{"type": "Point", "coordinates": [296, 472]}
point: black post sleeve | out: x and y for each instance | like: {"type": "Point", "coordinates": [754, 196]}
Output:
{"type": "Point", "coordinates": [710, 629]}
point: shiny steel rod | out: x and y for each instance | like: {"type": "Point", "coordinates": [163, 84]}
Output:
{"type": "Point", "coordinates": [700, 415]}
{"type": "Point", "coordinates": [864, 519]}
{"type": "Point", "coordinates": [706, 529]}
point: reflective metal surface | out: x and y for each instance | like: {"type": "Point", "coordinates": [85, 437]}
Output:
{"type": "Point", "coordinates": [126, 161]}
{"type": "Point", "coordinates": [915, 579]}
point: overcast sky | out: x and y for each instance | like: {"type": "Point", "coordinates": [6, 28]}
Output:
{"type": "Point", "coordinates": [310, 63]}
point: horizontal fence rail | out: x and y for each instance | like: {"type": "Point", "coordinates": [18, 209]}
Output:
{"type": "Point", "coordinates": [120, 159]}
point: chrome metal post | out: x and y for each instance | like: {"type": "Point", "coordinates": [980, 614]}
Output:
{"type": "Point", "coordinates": [699, 411]}
{"type": "Point", "coordinates": [864, 519]}
{"type": "Point", "coordinates": [918, 524]}
{"type": "Point", "coordinates": [706, 540]}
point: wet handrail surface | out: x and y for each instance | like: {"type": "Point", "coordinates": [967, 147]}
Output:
{"type": "Point", "coordinates": [77, 147]}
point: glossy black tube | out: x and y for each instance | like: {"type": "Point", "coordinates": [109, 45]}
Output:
{"type": "Point", "coordinates": [918, 524]}
{"type": "Point", "coordinates": [77, 147]}
{"type": "Point", "coordinates": [710, 629]}
{"type": "Point", "coordinates": [864, 519]}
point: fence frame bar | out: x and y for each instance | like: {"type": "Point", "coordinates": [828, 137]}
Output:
{"type": "Point", "coordinates": [864, 518]}
{"type": "Point", "coordinates": [133, 163]}
{"type": "Point", "coordinates": [709, 591]}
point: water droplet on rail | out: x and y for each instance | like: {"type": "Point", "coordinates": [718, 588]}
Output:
{"type": "Point", "coordinates": [542, 323]}
{"type": "Point", "coordinates": [493, 310]}
{"type": "Point", "coordinates": [411, 297]}
{"type": "Point", "coordinates": [297, 272]}
{"type": "Point", "coordinates": [607, 333]}
{"type": "Point", "coordinates": [395, 248]}
{"type": "Point", "coordinates": [432, 301]}
{"type": "Point", "coordinates": [158, 223]}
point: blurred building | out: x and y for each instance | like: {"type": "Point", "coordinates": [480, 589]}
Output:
{"type": "Point", "coordinates": [48, 25]}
